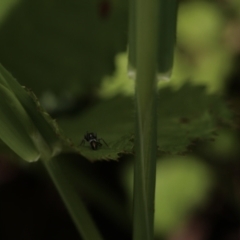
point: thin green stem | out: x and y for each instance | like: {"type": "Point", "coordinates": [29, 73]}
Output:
{"type": "Point", "coordinates": [132, 40]}
{"type": "Point", "coordinates": [72, 200]}
{"type": "Point", "coordinates": [167, 22]}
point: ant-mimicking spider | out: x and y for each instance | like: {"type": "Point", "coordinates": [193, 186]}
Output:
{"type": "Point", "coordinates": [94, 142]}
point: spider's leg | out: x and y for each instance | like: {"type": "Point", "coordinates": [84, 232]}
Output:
{"type": "Point", "coordinates": [82, 142]}
{"type": "Point", "coordinates": [101, 139]}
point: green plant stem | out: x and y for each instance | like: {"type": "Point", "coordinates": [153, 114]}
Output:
{"type": "Point", "coordinates": [72, 200]}
{"type": "Point", "coordinates": [132, 40]}
{"type": "Point", "coordinates": [167, 22]}
{"type": "Point", "coordinates": [146, 131]}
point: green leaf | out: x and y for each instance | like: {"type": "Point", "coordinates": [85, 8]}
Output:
{"type": "Point", "coordinates": [21, 111]}
{"type": "Point", "coordinates": [46, 141]}
{"type": "Point", "coordinates": [185, 115]}
{"type": "Point", "coordinates": [112, 120]}
{"type": "Point", "coordinates": [62, 42]}
{"type": "Point", "coordinates": [16, 128]}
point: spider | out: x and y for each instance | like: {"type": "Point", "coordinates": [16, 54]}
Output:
{"type": "Point", "coordinates": [94, 142]}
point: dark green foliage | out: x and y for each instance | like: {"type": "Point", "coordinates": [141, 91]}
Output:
{"type": "Point", "coordinates": [64, 50]}
{"type": "Point", "coordinates": [68, 52]}
{"type": "Point", "coordinates": [66, 45]}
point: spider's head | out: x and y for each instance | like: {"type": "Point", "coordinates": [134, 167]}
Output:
{"type": "Point", "coordinates": [90, 136]}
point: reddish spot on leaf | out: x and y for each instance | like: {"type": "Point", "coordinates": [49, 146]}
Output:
{"type": "Point", "coordinates": [104, 9]}
{"type": "Point", "coordinates": [184, 120]}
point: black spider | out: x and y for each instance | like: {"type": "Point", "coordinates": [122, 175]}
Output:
{"type": "Point", "coordinates": [94, 142]}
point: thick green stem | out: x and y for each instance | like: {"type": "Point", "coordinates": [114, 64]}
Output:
{"type": "Point", "coordinates": [146, 137]}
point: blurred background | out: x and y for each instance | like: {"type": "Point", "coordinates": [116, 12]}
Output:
{"type": "Point", "coordinates": [72, 54]}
